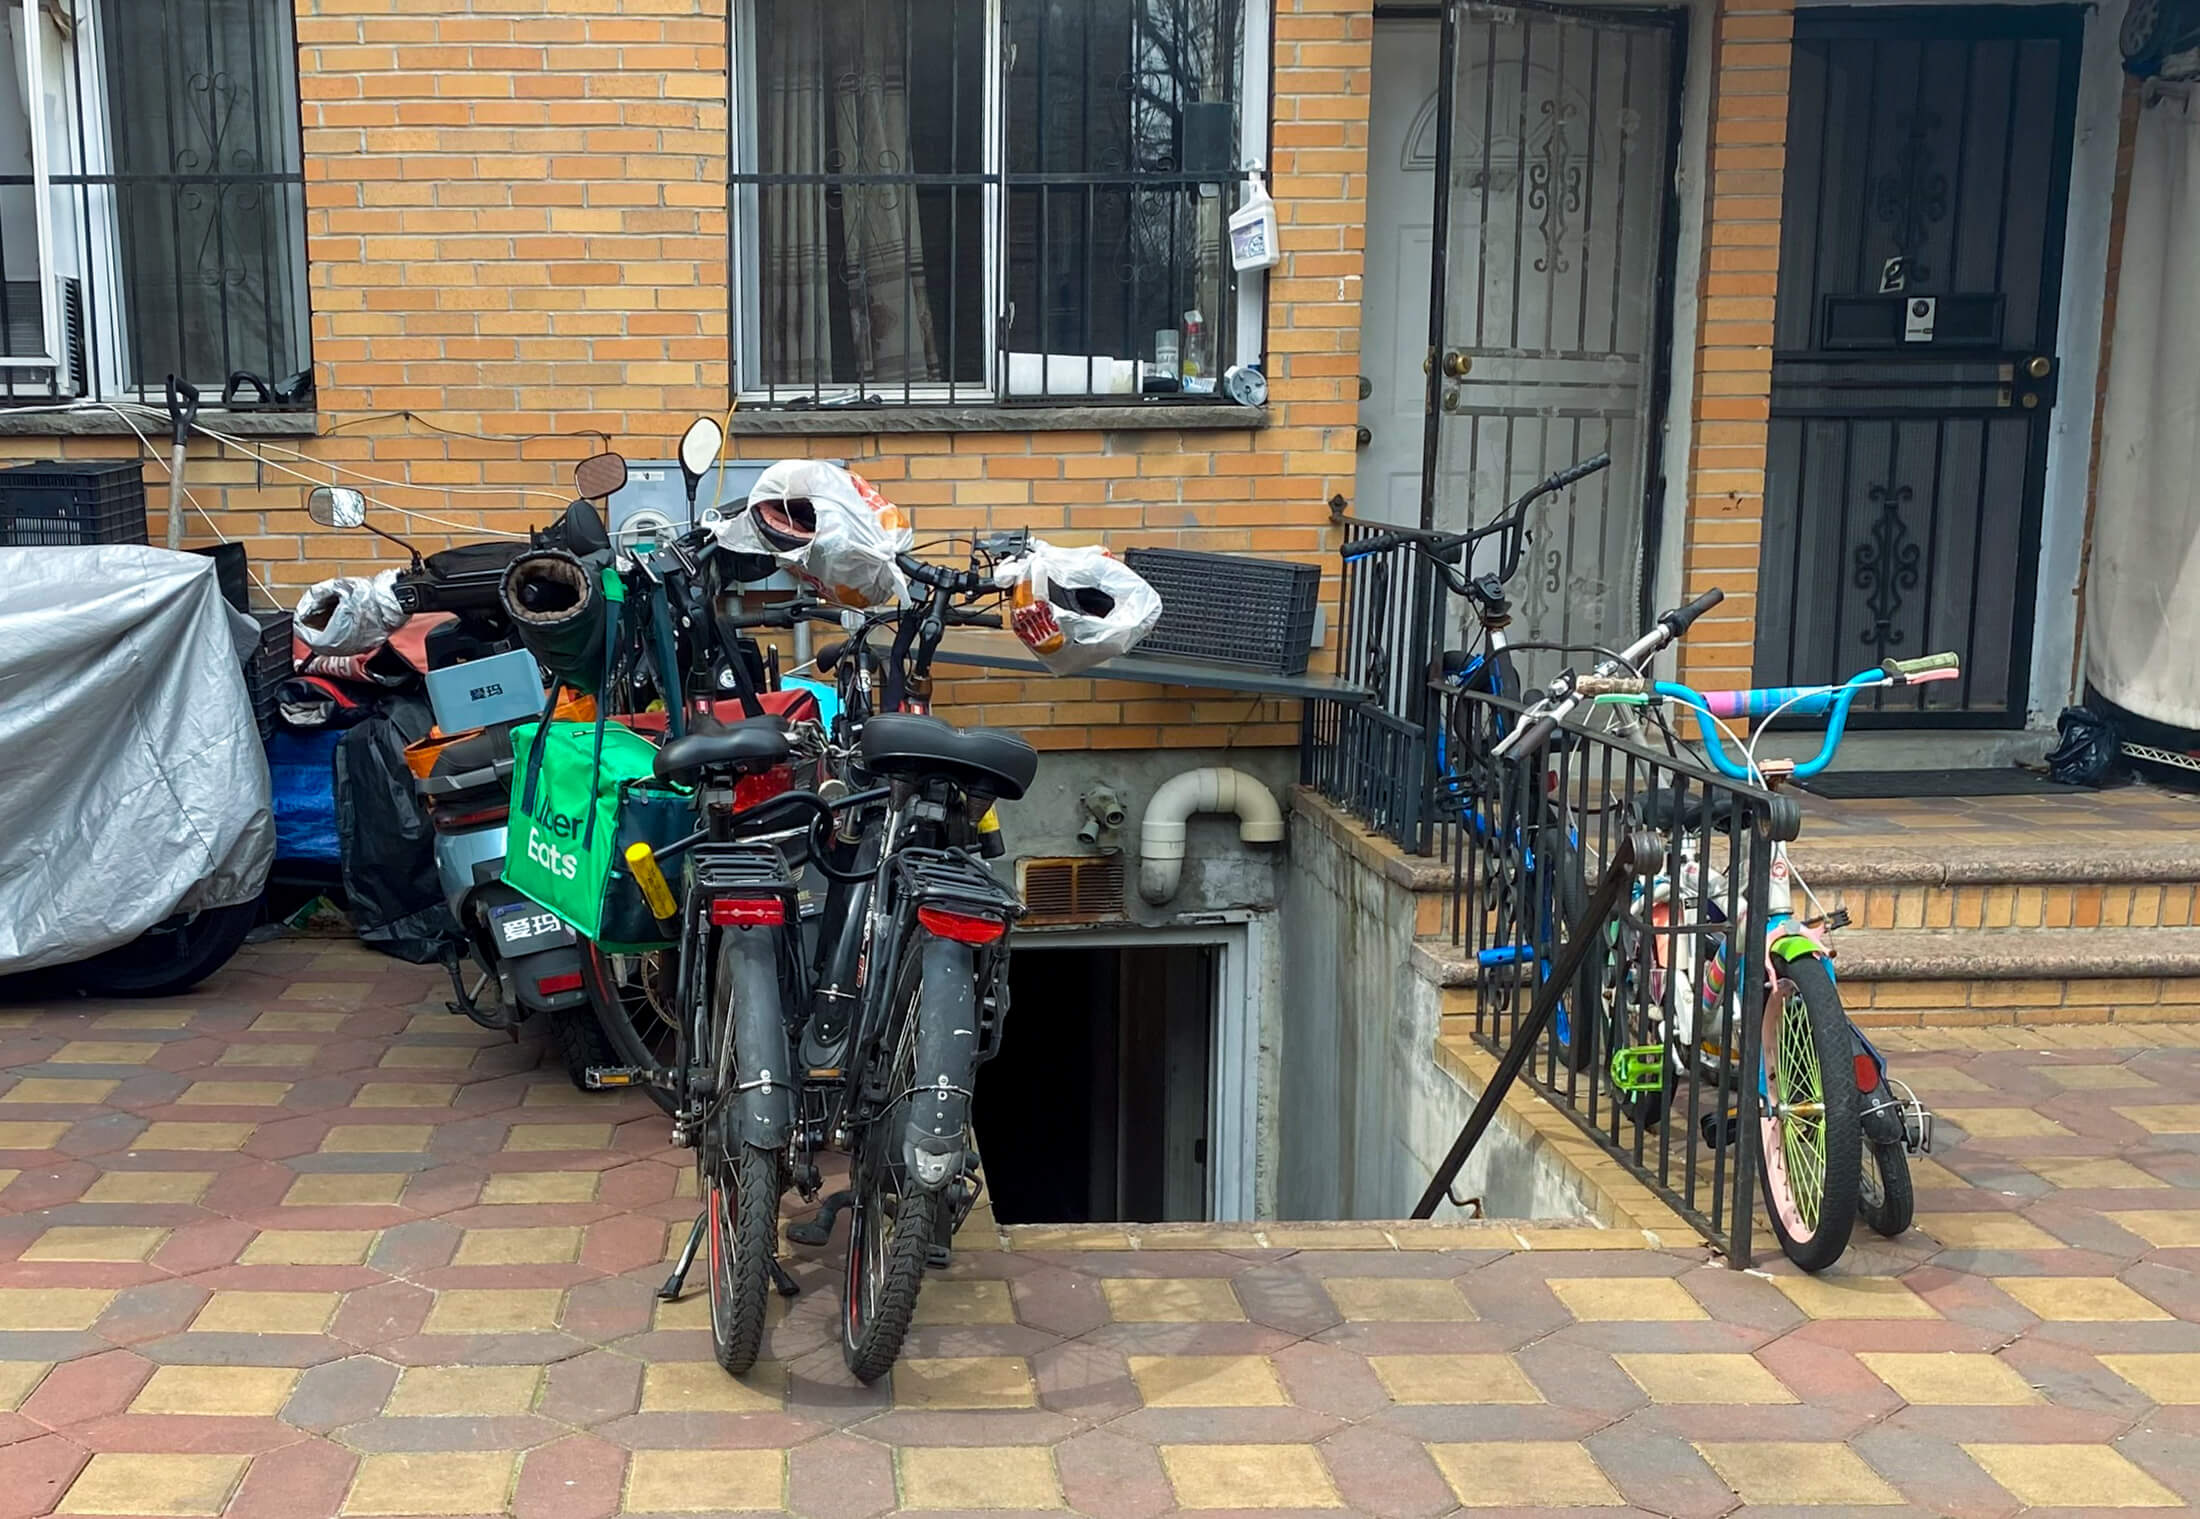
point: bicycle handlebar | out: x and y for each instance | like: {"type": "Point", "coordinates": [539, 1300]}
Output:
{"type": "Point", "coordinates": [1444, 547]}
{"type": "Point", "coordinates": [1680, 619]}
{"type": "Point", "coordinates": [1571, 473]}
{"type": "Point", "coordinates": [1562, 695]}
{"type": "Point", "coordinates": [1805, 701]}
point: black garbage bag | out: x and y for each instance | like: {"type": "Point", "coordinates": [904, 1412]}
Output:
{"type": "Point", "coordinates": [2088, 752]}
{"type": "Point", "coordinates": [387, 842]}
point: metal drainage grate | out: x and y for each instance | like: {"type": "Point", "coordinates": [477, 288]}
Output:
{"type": "Point", "coordinates": [1072, 890]}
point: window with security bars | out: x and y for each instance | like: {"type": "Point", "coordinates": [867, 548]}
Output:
{"type": "Point", "coordinates": [152, 198]}
{"type": "Point", "coordinates": [940, 201]}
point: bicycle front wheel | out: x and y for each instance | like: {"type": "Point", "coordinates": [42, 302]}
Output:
{"type": "Point", "coordinates": [1812, 1143]}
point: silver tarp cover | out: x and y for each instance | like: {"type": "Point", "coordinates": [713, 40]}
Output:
{"type": "Point", "coordinates": [133, 784]}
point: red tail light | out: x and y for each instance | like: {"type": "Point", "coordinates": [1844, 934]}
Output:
{"type": "Point", "coordinates": [1867, 1074]}
{"type": "Point", "coordinates": [962, 927]}
{"type": "Point", "coordinates": [480, 817]}
{"type": "Point", "coordinates": [754, 790]}
{"type": "Point", "coordinates": [550, 986]}
{"type": "Point", "coordinates": [747, 912]}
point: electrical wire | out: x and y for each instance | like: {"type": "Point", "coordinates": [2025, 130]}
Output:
{"type": "Point", "coordinates": [147, 444]}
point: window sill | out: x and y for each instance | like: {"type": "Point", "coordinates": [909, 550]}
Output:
{"type": "Point", "coordinates": [105, 424]}
{"type": "Point", "coordinates": [845, 421]}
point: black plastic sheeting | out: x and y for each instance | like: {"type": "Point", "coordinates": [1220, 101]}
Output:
{"type": "Point", "coordinates": [387, 841]}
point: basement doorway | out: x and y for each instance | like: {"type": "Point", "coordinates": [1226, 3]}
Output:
{"type": "Point", "coordinates": [1122, 1090]}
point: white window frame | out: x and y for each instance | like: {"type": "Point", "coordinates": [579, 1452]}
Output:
{"type": "Point", "coordinates": [31, 39]}
{"type": "Point", "coordinates": [744, 279]}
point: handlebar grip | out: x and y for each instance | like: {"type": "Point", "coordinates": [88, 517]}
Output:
{"type": "Point", "coordinates": [1678, 620]}
{"type": "Point", "coordinates": [960, 619]}
{"type": "Point", "coordinates": [1373, 543]}
{"type": "Point", "coordinates": [1581, 471]}
{"type": "Point", "coordinates": [828, 655]}
{"type": "Point", "coordinates": [1532, 737]}
{"type": "Point", "coordinates": [1908, 669]}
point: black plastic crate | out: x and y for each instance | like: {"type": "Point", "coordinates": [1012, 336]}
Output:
{"type": "Point", "coordinates": [232, 572]}
{"type": "Point", "coordinates": [1226, 609]}
{"type": "Point", "coordinates": [68, 502]}
{"type": "Point", "coordinates": [269, 668]}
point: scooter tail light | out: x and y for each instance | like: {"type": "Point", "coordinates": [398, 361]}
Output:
{"type": "Point", "coordinates": [567, 981]}
{"type": "Point", "coordinates": [962, 927]}
{"type": "Point", "coordinates": [747, 912]}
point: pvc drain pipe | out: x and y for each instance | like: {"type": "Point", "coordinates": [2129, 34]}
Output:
{"type": "Point", "coordinates": [1161, 834]}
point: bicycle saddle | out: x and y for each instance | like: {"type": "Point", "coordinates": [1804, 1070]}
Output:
{"type": "Point", "coordinates": [757, 744]}
{"type": "Point", "coordinates": [989, 760]}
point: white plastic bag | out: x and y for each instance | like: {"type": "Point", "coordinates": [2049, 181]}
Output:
{"type": "Point", "coordinates": [1077, 607]}
{"type": "Point", "coordinates": [830, 527]}
{"type": "Point", "coordinates": [349, 615]}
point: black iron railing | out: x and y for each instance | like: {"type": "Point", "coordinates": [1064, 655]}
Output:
{"type": "Point", "coordinates": [160, 227]}
{"type": "Point", "coordinates": [1377, 758]}
{"type": "Point", "coordinates": [1650, 1038]}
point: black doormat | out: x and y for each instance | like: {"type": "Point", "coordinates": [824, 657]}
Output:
{"type": "Point", "coordinates": [1871, 785]}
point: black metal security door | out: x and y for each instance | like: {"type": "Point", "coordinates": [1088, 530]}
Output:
{"type": "Point", "coordinates": [1914, 363]}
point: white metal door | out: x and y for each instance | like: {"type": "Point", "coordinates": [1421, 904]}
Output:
{"type": "Point", "coordinates": [1401, 167]}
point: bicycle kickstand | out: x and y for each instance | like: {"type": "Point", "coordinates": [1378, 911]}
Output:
{"type": "Point", "coordinates": [670, 1291]}
{"type": "Point", "coordinates": [787, 1286]}
{"type": "Point", "coordinates": [817, 1231]}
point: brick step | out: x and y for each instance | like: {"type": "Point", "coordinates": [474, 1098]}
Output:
{"type": "Point", "coordinates": [1907, 976]}
{"type": "Point", "coordinates": [2042, 975]}
{"type": "Point", "coordinates": [2082, 883]}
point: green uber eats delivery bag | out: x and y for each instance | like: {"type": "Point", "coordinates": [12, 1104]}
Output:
{"type": "Point", "coordinates": [584, 791]}
{"type": "Point", "coordinates": [577, 784]}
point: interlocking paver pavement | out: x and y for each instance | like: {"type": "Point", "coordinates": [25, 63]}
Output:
{"type": "Point", "coordinates": [302, 1245]}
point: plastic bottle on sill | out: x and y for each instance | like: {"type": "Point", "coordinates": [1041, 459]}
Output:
{"type": "Point", "coordinates": [1198, 377]}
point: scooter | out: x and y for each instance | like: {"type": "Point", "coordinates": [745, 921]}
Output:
{"type": "Point", "coordinates": [482, 683]}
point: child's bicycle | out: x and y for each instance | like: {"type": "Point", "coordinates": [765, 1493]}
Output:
{"type": "Point", "coordinates": [1836, 1128]}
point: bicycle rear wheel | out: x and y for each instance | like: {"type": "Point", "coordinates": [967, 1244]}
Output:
{"type": "Point", "coordinates": [1886, 1200]}
{"type": "Point", "coordinates": [1812, 1141]}
{"type": "Point", "coordinates": [892, 1223]}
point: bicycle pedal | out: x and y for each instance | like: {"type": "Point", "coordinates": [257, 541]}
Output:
{"type": "Point", "coordinates": [602, 1078]}
{"type": "Point", "coordinates": [1720, 1129]}
{"type": "Point", "coordinates": [1638, 1068]}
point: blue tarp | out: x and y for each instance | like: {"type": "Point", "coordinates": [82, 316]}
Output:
{"type": "Point", "coordinates": [303, 766]}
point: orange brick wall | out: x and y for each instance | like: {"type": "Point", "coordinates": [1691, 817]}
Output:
{"type": "Point", "coordinates": [1732, 403]}
{"type": "Point", "coordinates": [517, 225]}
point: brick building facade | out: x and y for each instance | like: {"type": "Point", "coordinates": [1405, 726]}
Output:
{"type": "Point", "coordinates": [517, 225]}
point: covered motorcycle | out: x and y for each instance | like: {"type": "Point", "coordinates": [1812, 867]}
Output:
{"type": "Point", "coordinates": [136, 823]}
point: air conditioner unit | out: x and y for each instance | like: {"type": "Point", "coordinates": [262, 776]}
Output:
{"type": "Point", "coordinates": [26, 334]}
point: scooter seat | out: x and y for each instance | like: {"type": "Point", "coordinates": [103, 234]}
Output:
{"type": "Point", "coordinates": [758, 744]}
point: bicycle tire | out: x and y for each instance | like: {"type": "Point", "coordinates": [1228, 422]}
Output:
{"type": "Point", "coordinates": [879, 1303]}
{"type": "Point", "coordinates": [581, 1042]}
{"type": "Point", "coordinates": [1806, 1061]}
{"type": "Point", "coordinates": [743, 1240]}
{"type": "Point", "coordinates": [611, 1001]}
{"type": "Point", "coordinates": [1886, 1199]}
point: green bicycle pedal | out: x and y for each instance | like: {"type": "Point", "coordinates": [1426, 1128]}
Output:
{"type": "Point", "coordinates": [1638, 1068]}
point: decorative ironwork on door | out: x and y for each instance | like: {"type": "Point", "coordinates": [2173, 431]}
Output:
{"type": "Point", "coordinates": [1560, 159]}
{"type": "Point", "coordinates": [1913, 349]}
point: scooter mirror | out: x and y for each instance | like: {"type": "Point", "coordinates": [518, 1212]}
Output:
{"type": "Point", "coordinates": [699, 447]}
{"type": "Point", "coordinates": [337, 506]}
{"type": "Point", "coordinates": [599, 475]}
